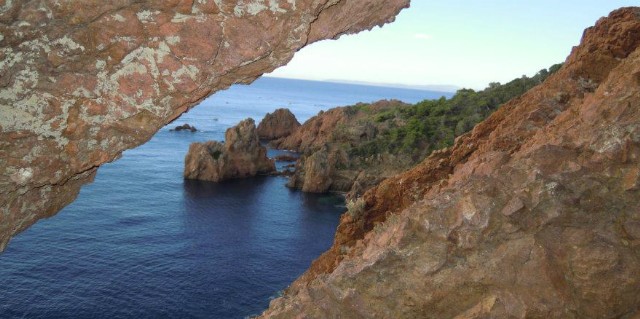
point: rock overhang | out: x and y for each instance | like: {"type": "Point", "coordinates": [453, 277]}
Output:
{"type": "Point", "coordinates": [82, 81]}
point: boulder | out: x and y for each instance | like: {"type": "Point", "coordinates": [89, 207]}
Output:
{"type": "Point", "coordinates": [184, 127]}
{"type": "Point", "coordinates": [280, 123]}
{"type": "Point", "coordinates": [241, 155]}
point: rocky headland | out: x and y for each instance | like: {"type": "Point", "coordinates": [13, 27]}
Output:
{"type": "Point", "coordinates": [533, 213]}
{"type": "Point", "coordinates": [351, 149]}
{"type": "Point", "coordinates": [278, 124]}
{"type": "Point", "coordinates": [241, 155]}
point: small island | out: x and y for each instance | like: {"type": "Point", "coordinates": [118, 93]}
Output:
{"type": "Point", "coordinates": [241, 155]}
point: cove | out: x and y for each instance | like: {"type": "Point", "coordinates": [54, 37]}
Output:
{"type": "Point", "coordinates": [142, 242]}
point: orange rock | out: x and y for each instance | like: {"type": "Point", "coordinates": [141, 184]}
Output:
{"type": "Point", "coordinates": [280, 123]}
{"type": "Point", "coordinates": [240, 156]}
{"type": "Point", "coordinates": [534, 213]}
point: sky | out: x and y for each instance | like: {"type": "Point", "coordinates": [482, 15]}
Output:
{"type": "Point", "coordinates": [454, 42]}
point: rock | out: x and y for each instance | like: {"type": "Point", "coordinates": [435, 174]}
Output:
{"type": "Point", "coordinates": [81, 81]}
{"type": "Point", "coordinates": [286, 158]}
{"type": "Point", "coordinates": [280, 123]}
{"type": "Point", "coordinates": [317, 172]}
{"type": "Point", "coordinates": [185, 127]}
{"type": "Point", "coordinates": [240, 156]}
{"type": "Point", "coordinates": [336, 131]}
{"type": "Point", "coordinates": [526, 216]}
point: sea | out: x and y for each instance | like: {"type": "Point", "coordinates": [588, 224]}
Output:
{"type": "Point", "coordinates": [142, 242]}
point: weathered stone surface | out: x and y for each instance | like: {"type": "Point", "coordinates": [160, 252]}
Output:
{"type": "Point", "coordinates": [278, 124]}
{"type": "Point", "coordinates": [83, 80]}
{"type": "Point", "coordinates": [240, 156]}
{"type": "Point", "coordinates": [532, 214]}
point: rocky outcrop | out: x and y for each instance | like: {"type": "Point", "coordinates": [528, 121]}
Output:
{"type": "Point", "coordinates": [278, 124]}
{"type": "Point", "coordinates": [81, 81]}
{"type": "Point", "coordinates": [240, 156]}
{"type": "Point", "coordinates": [184, 127]}
{"type": "Point", "coordinates": [534, 213]}
{"type": "Point", "coordinates": [326, 140]}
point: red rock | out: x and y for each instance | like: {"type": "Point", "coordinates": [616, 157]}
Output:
{"type": "Point", "coordinates": [240, 156]}
{"type": "Point", "coordinates": [280, 123]}
{"type": "Point", "coordinates": [534, 213]}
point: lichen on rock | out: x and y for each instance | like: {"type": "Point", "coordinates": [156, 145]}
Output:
{"type": "Point", "coordinates": [81, 81]}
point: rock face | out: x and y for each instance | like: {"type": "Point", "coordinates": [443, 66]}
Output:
{"type": "Point", "coordinates": [185, 127]}
{"type": "Point", "coordinates": [240, 156]}
{"type": "Point", "coordinates": [278, 124]}
{"type": "Point", "coordinates": [534, 213]}
{"type": "Point", "coordinates": [325, 141]}
{"type": "Point", "coordinates": [81, 81]}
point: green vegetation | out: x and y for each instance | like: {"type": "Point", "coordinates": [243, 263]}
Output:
{"type": "Point", "coordinates": [429, 125]}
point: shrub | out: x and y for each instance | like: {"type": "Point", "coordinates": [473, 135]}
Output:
{"type": "Point", "coordinates": [355, 208]}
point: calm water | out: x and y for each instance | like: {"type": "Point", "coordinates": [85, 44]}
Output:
{"type": "Point", "coordinates": [141, 242]}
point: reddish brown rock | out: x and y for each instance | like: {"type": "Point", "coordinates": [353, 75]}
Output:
{"type": "Point", "coordinates": [327, 141]}
{"type": "Point", "coordinates": [240, 156]}
{"type": "Point", "coordinates": [81, 81]}
{"type": "Point", "coordinates": [278, 124]}
{"type": "Point", "coordinates": [532, 214]}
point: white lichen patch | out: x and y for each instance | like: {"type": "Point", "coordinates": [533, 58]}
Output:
{"type": "Point", "coordinates": [172, 40]}
{"type": "Point", "coordinates": [146, 16]}
{"type": "Point", "coordinates": [68, 44]}
{"type": "Point", "coordinates": [7, 5]}
{"type": "Point", "coordinates": [34, 46]}
{"type": "Point", "coordinates": [24, 81]}
{"type": "Point", "coordinates": [188, 70]}
{"type": "Point", "coordinates": [10, 58]}
{"type": "Point", "coordinates": [47, 12]}
{"type": "Point", "coordinates": [256, 6]}
{"type": "Point", "coordinates": [82, 92]}
{"type": "Point", "coordinates": [118, 17]}
{"type": "Point", "coordinates": [180, 18]}
{"type": "Point", "coordinates": [22, 175]}
{"type": "Point", "coordinates": [612, 139]}
{"type": "Point", "coordinates": [100, 65]}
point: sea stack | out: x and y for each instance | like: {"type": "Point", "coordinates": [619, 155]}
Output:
{"type": "Point", "coordinates": [278, 124]}
{"type": "Point", "coordinates": [241, 155]}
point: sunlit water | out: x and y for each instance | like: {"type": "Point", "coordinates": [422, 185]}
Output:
{"type": "Point", "coordinates": [141, 242]}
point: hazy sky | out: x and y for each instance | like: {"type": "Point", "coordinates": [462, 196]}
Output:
{"type": "Point", "coordinates": [464, 43]}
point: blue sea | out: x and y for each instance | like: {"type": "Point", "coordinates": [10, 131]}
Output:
{"type": "Point", "coordinates": [142, 242]}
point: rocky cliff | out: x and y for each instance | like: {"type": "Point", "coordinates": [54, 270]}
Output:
{"type": "Point", "coordinates": [534, 213]}
{"type": "Point", "coordinates": [327, 141]}
{"type": "Point", "coordinates": [278, 124]}
{"type": "Point", "coordinates": [81, 81]}
{"type": "Point", "coordinates": [241, 155]}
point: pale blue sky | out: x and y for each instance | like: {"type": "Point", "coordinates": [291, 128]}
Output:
{"type": "Point", "coordinates": [464, 43]}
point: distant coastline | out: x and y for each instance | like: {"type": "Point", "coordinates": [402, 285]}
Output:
{"type": "Point", "coordinates": [433, 87]}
